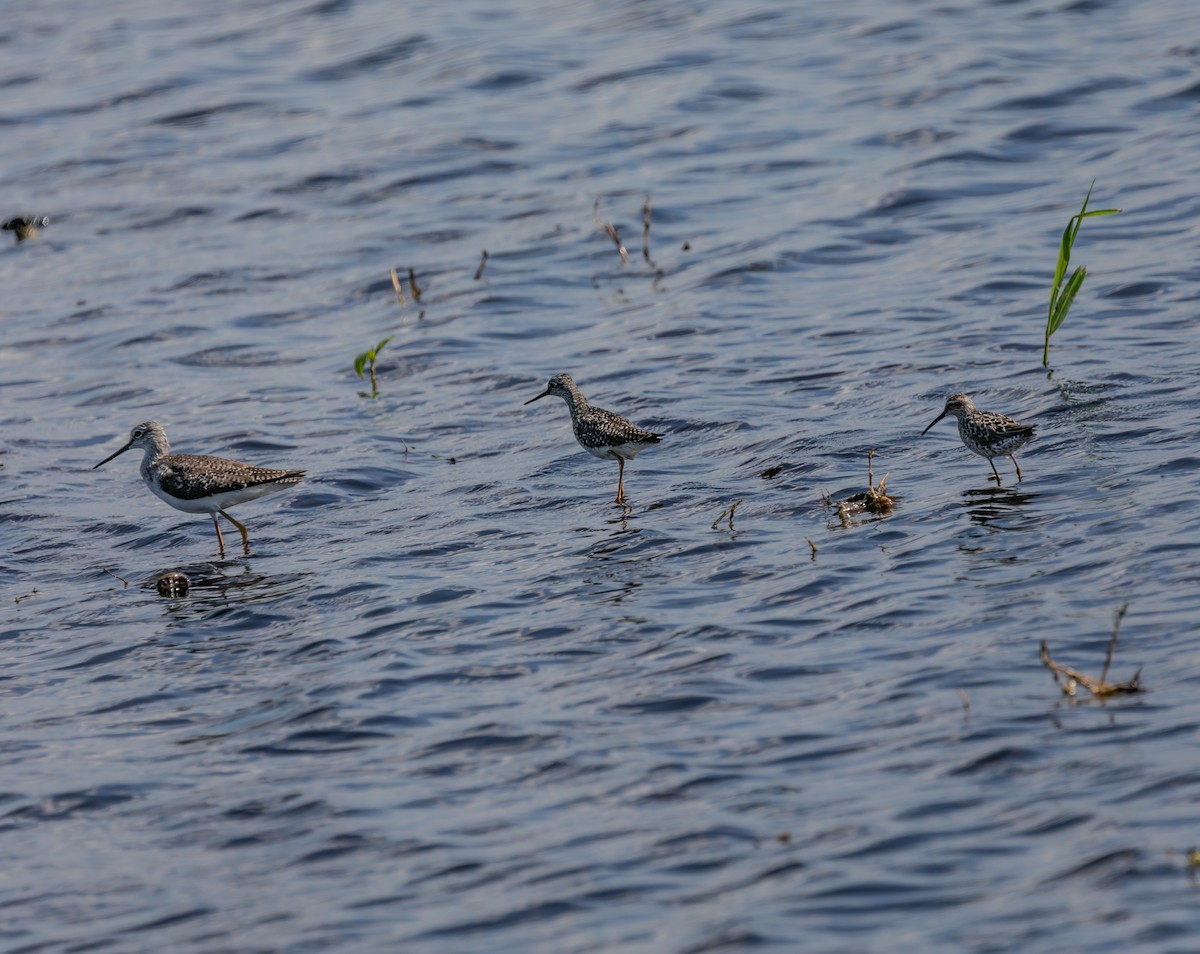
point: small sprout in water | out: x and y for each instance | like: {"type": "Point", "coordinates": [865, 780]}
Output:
{"type": "Point", "coordinates": [1062, 295]}
{"type": "Point", "coordinates": [367, 360]}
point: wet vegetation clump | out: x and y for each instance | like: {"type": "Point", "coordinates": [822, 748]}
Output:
{"type": "Point", "coordinates": [874, 500]}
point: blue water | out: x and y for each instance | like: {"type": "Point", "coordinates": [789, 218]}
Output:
{"type": "Point", "coordinates": [454, 700]}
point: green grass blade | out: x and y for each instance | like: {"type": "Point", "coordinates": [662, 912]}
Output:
{"type": "Point", "coordinates": [360, 362]}
{"type": "Point", "coordinates": [1064, 300]}
{"type": "Point", "coordinates": [1064, 262]}
{"type": "Point", "coordinates": [379, 347]}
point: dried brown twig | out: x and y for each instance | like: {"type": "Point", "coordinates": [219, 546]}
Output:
{"type": "Point", "coordinates": [728, 510]}
{"type": "Point", "coordinates": [412, 285]}
{"type": "Point", "coordinates": [397, 287]}
{"type": "Point", "coordinates": [610, 230]}
{"type": "Point", "coordinates": [1071, 678]}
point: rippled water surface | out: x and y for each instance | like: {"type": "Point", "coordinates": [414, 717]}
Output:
{"type": "Point", "coordinates": [455, 700]}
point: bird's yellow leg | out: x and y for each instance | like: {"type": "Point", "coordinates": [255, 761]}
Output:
{"type": "Point", "coordinates": [241, 527]}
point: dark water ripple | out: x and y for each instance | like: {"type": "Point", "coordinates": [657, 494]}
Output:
{"type": "Point", "coordinates": [454, 700]}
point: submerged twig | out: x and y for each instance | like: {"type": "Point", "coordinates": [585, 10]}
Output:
{"type": "Point", "coordinates": [728, 510]}
{"type": "Point", "coordinates": [482, 263]}
{"type": "Point", "coordinates": [412, 285]}
{"type": "Point", "coordinates": [114, 576]}
{"type": "Point", "coordinates": [812, 546]}
{"type": "Point", "coordinates": [1071, 678]}
{"type": "Point", "coordinates": [646, 232]}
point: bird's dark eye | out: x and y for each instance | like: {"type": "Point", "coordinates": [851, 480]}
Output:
{"type": "Point", "coordinates": [138, 432]}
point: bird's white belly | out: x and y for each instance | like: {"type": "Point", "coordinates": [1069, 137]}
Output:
{"type": "Point", "coordinates": [627, 451]}
{"type": "Point", "coordinates": [217, 501]}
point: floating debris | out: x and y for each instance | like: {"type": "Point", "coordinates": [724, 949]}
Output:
{"type": "Point", "coordinates": [173, 584]}
{"type": "Point", "coordinates": [1068, 679]}
{"type": "Point", "coordinates": [398, 288]}
{"type": "Point", "coordinates": [482, 263]}
{"type": "Point", "coordinates": [25, 226]}
{"type": "Point", "coordinates": [874, 499]}
{"type": "Point", "coordinates": [413, 287]}
{"type": "Point", "coordinates": [771, 472]}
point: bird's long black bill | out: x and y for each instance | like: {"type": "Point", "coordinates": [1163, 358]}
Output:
{"type": "Point", "coordinates": [935, 420]}
{"type": "Point", "coordinates": [117, 454]}
{"type": "Point", "coordinates": [532, 399]}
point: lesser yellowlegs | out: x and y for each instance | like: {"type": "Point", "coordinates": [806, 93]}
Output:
{"type": "Point", "coordinates": [198, 484]}
{"type": "Point", "coordinates": [25, 226]}
{"type": "Point", "coordinates": [988, 435]}
{"type": "Point", "coordinates": [601, 433]}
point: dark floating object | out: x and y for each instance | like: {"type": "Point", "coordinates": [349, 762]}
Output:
{"type": "Point", "coordinates": [646, 233]}
{"type": "Point", "coordinates": [25, 227]}
{"type": "Point", "coordinates": [482, 264]}
{"type": "Point", "coordinates": [771, 472]}
{"type": "Point", "coordinates": [601, 433]}
{"type": "Point", "coordinates": [173, 584]}
{"type": "Point", "coordinates": [986, 434]}
{"type": "Point", "coordinates": [201, 484]}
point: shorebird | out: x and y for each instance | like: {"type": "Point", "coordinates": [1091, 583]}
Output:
{"type": "Point", "coordinates": [199, 484]}
{"type": "Point", "coordinates": [988, 435]}
{"type": "Point", "coordinates": [24, 226]}
{"type": "Point", "coordinates": [601, 433]}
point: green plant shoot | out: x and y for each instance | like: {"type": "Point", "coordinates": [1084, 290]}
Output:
{"type": "Point", "coordinates": [367, 359]}
{"type": "Point", "coordinates": [1062, 295]}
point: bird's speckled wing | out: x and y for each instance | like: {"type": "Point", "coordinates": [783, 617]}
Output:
{"type": "Point", "coordinates": [192, 476]}
{"type": "Point", "coordinates": [596, 427]}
